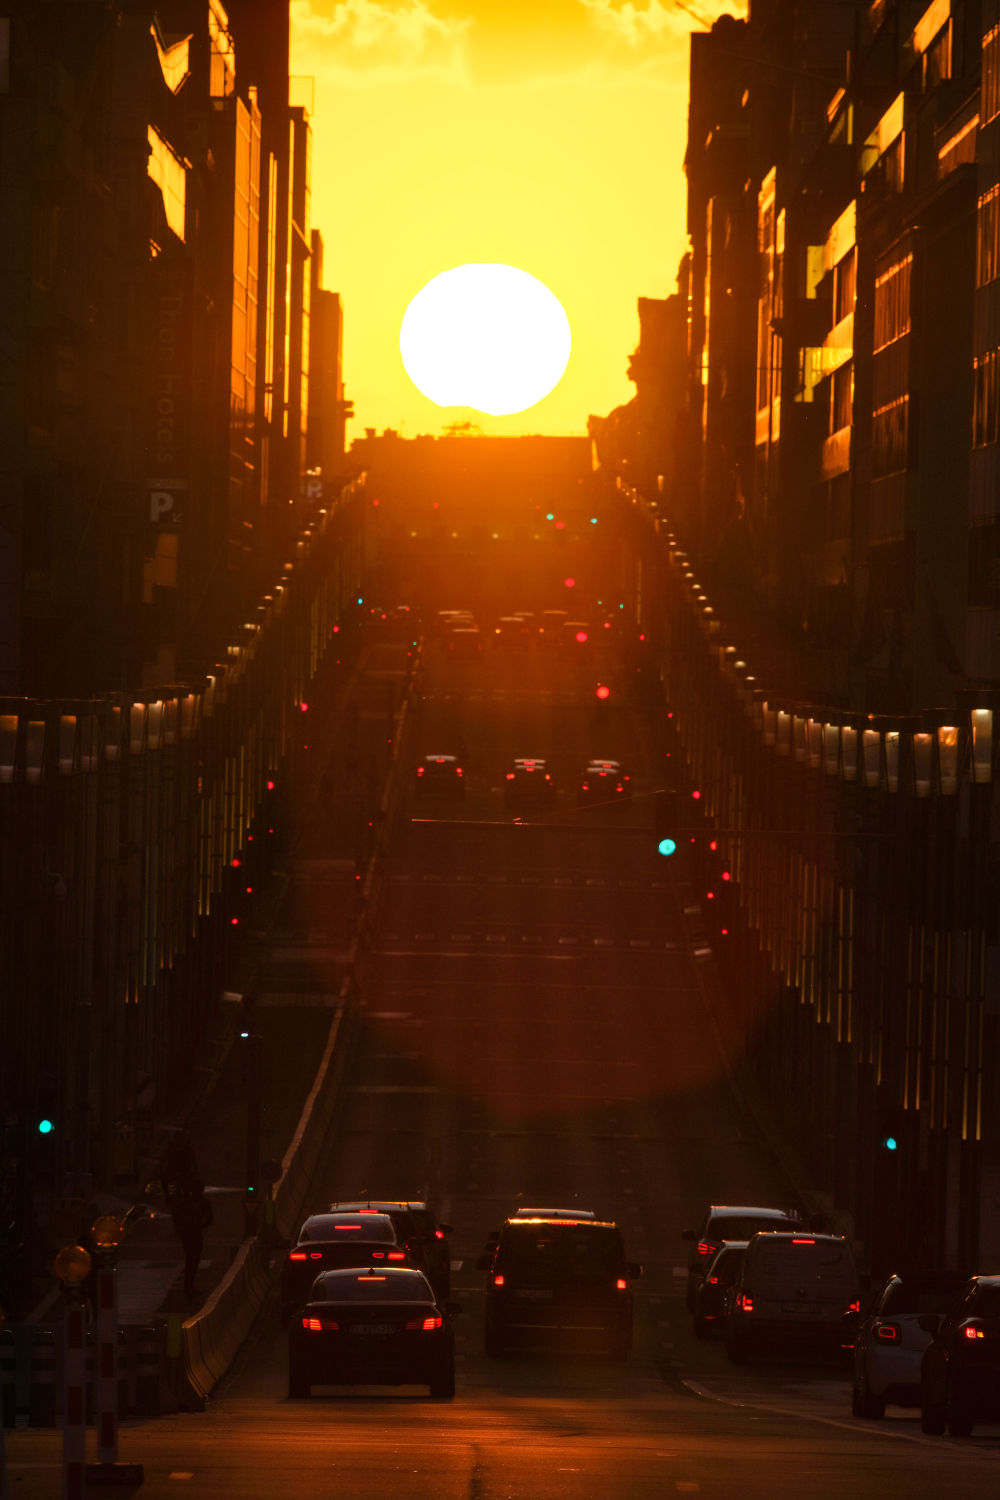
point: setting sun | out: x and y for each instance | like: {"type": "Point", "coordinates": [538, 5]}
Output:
{"type": "Point", "coordinates": [486, 336]}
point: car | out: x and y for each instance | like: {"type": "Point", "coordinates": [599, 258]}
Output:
{"type": "Point", "coordinates": [576, 634]}
{"type": "Point", "coordinates": [729, 1221]}
{"type": "Point", "coordinates": [889, 1342]}
{"type": "Point", "coordinates": [554, 1213]}
{"type": "Point", "coordinates": [559, 1283]}
{"type": "Point", "coordinates": [711, 1300]}
{"type": "Point", "coordinates": [960, 1369]}
{"type": "Point", "coordinates": [513, 632]}
{"type": "Point", "coordinates": [333, 1240]}
{"type": "Point", "coordinates": [464, 642]}
{"type": "Point", "coordinates": [528, 783]}
{"type": "Point", "coordinates": [791, 1293]}
{"type": "Point", "coordinates": [372, 1327]}
{"type": "Point", "coordinates": [439, 776]}
{"type": "Point", "coordinates": [417, 1230]}
{"type": "Point", "coordinates": [549, 624]}
{"type": "Point", "coordinates": [604, 781]}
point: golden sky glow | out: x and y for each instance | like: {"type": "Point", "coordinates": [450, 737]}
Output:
{"type": "Point", "coordinates": [545, 134]}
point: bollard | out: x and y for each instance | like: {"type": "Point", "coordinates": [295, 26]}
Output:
{"type": "Point", "coordinates": [105, 1365]}
{"type": "Point", "coordinates": [44, 1367]}
{"type": "Point", "coordinates": [8, 1368]}
{"type": "Point", "coordinates": [74, 1405]}
{"type": "Point", "coordinates": [147, 1372]}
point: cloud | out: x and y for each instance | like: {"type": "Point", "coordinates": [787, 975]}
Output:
{"type": "Point", "coordinates": [364, 32]}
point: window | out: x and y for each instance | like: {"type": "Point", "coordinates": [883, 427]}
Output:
{"type": "Point", "coordinates": [167, 171]}
{"type": "Point", "coordinates": [989, 97]}
{"type": "Point", "coordinates": [843, 397]}
{"type": "Point", "coordinates": [222, 68]}
{"type": "Point", "coordinates": [845, 281]}
{"type": "Point", "coordinates": [937, 58]}
{"type": "Point", "coordinates": [892, 302]}
{"type": "Point", "coordinates": [890, 431]}
{"type": "Point", "coordinates": [987, 232]}
{"type": "Point", "coordinates": [986, 398]}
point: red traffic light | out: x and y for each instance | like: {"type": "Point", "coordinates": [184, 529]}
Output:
{"type": "Point", "coordinates": [603, 692]}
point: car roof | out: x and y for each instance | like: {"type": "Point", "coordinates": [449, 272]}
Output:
{"type": "Point", "coordinates": [719, 1210]}
{"type": "Point", "coordinates": [560, 1219]}
{"type": "Point", "coordinates": [604, 765]}
{"type": "Point", "coordinates": [529, 762]}
{"type": "Point", "coordinates": [377, 1205]}
{"type": "Point", "coordinates": [731, 1245]}
{"type": "Point", "coordinates": [440, 759]}
{"type": "Point", "coordinates": [798, 1236]}
{"type": "Point", "coordinates": [554, 1213]}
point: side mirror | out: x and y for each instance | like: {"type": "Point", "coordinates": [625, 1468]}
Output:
{"type": "Point", "coordinates": [930, 1323]}
{"type": "Point", "coordinates": [633, 1269]}
{"type": "Point", "coordinates": [688, 1234]}
{"type": "Point", "coordinates": [484, 1262]}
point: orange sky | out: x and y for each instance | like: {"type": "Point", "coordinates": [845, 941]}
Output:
{"type": "Point", "coordinates": [549, 134]}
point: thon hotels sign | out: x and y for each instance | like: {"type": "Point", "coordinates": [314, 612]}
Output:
{"type": "Point", "coordinates": [169, 396]}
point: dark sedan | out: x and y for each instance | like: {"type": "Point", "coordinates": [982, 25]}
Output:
{"type": "Point", "coordinates": [372, 1328]}
{"type": "Point", "coordinates": [328, 1241]}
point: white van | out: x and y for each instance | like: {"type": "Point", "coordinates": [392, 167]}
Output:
{"type": "Point", "coordinates": [792, 1291]}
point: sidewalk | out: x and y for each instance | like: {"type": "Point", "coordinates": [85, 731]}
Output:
{"type": "Point", "coordinates": [294, 966]}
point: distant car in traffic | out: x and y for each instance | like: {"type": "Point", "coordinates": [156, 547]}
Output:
{"type": "Point", "coordinates": [711, 1298]}
{"type": "Point", "coordinates": [418, 1231]}
{"type": "Point", "coordinates": [889, 1342]}
{"type": "Point", "coordinates": [554, 1213]}
{"type": "Point", "coordinates": [513, 632]}
{"type": "Point", "coordinates": [604, 781]}
{"type": "Point", "coordinates": [464, 642]}
{"type": "Point", "coordinates": [559, 1283]}
{"type": "Point", "coordinates": [335, 1240]}
{"type": "Point", "coordinates": [960, 1369]}
{"type": "Point", "coordinates": [528, 783]}
{"type": "Point", "coordinates": [372, 1327]}
{"type": "Point", "coordinates": [791, 1293]}
{"type": "Point", "coordinates": [439, 776]}
{"type": "Point", "coordinates": [730, 1221]}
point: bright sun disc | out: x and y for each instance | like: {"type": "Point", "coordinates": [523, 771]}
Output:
{"type": "Point", "coordinates": [487, 336]}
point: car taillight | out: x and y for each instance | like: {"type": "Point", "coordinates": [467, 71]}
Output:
{"type": "Point", "coordinates": [378, 1255]}
{"type": "Point", "coordinates": [425, 1325]}
{"type": "Point", "coordinates": [498, 1280]}
{"type": "Point", "coordinates": [297, 1255]}
{"type": "Point", "coordinates": [585, 787]}
{"type": "Point", "coordinates": [458, 770]}
{"type": "Point", "coordinates": [746, 1302]}
{"type": "Point", "coordinates": [397, 1254]}
{"type": "Point", "coordinates": [420, 770]}
{"type": "Point", "coordinates": [621, 1285]}
{"type": "Point", "coordinates": [705, 1247]}
{"type": "Point", "coordinates": [854, 1306]}
{"type": "Point", "coordinates": [712, 1280]}
{"type": "Point", "coordinates": [510, 775]}
{"type": "Point", "coordinates": [803, 1242]}
{"type": "Point", "coordinates": [317, 1325]}
{"type": "Point", "coordinates": [439, 1234]}
{"type": "Point", "coordinates": [970, 1332]}
{"type": "Point", "coordinates": [888, 1333]}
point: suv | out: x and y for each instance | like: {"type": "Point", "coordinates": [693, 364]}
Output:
{"type": "Point", "coordinates": [960, 1373]}
{"type": "Point", "coordinates": [559, 1281]}
{"type": "Point", "coordinates": [793, 1291]}
{"type": "Point", "coordinates": [418, 1232]}
{"type": "Point", "coordinates": [729, 1221]}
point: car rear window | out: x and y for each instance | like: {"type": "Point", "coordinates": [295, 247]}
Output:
{"type": "Point", "coordinates": [565, 1249]}
{"type": "Point", "coordinates": [780, 1258]}
{"type": "Point", "coordinates": [921, 1297]}
{"type": "Point", "coordinates": [335, 1227]}
{"type": "Point", "coordinates": [388, 1286]}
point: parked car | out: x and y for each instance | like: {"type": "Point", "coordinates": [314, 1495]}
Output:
{"type": "Point", "coordinates": [368, 1327]}
{"type": "Point", "coordinates": [334, 1240]}
{"type": "Point", "coordinates": [711, 1300]}
{"type": "Point", "coordinates": [960, 1370]}
{"type": "Point", "coordinates": [562, 1283]}
{"type": "Point", "coordinates": [729, 1221]}
{"type": "Point", "coordinates": [889, 1342]}
{"type": "Point", "coordinates": [418, 1231]}
{"type": "Point", "coordinates": [792, 1292]}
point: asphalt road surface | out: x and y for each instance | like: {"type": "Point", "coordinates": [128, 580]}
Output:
{"type": "Point", "coordinates": [534, 1030]}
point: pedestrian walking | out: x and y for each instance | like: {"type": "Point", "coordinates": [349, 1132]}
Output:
{"type": "Point", "coordinates": [178, 1166]}
{"type": "Point", "coordinates": [192, 1214]}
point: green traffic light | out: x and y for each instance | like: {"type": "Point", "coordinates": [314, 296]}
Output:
{"type": "Point", "coordinates": [667, 846]}
{"type": "Point", "coordinates": [45, 1127]}
{"type": "Point", "coordinates": [890, 1143]}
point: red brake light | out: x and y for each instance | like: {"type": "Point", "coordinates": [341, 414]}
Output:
{"type": "Point", "coordinates": [378, 1255]}
{"type": "Point", "coordinates": [439, 1234]}
{"type": "Point", "coordinates": [498, 1281]}
{"type": "Point", "coordinates": [621, 1284]}
{"type": "Point", "coordinates": [397, 1254]}
{"type": "Point", "coordinates": [803, 1242]}
{"type": "Point", "coordinates": [887, 1333]}
{"type": "Point", "coordinates": [705, 1247]}
{"type": "Point", "coordinates": [973, 1333]}
{"type": "Point", "coordinates": [746, 1302]}
{"type": "Point", "coordinates": [713, 1280]}
{"type": "Point", "coordinates": [427, 1325]}
{"type": "Point", "coordinates": [315, 1255]}
{"type": "Point", "coordinates": [297, 1255]}
{"type": "Point", "coordinates": [420, 770]}
{"type": "Point", "coordinates": [314, 1325]}
{"type": "Point", "coordinates": [510, 775]}
{"type": "Point", "coordinates": [458, 770]}
{"type": "Point", "coordinates": [371, 1276]}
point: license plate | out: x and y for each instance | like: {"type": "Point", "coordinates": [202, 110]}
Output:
{"type": "Point", "coordinates": [533, 1295]}
{"type": "Point", "coordinates": [376, 1329]}
{"type": "Point", "coordinates": [811, 1309]}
